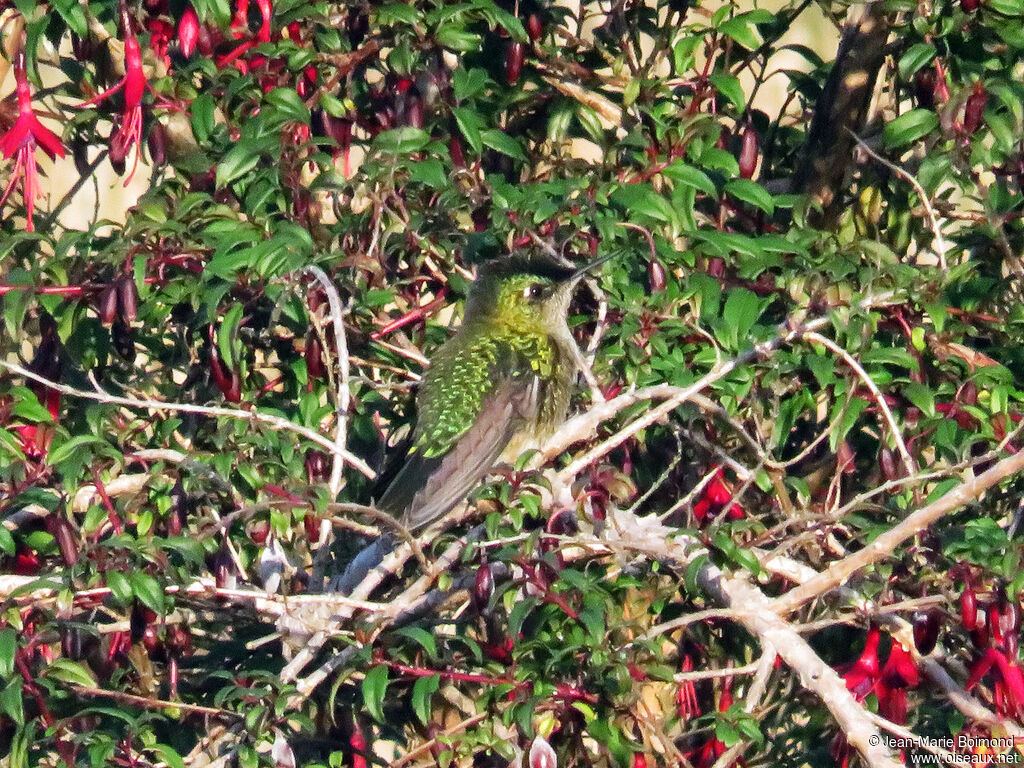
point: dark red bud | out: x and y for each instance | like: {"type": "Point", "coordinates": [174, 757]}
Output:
{"type": "Point", "coordinates": [969, 609]}
{"type": "Point", "coordinates": [117, 154]}
{"type": "Point", "coordinates": [974, 109]}
{"type": "Point", "coordinates": [970, 6]}
{"type": "Point", "coordinates": [980, 637]}
{"type": "Point", "coordinates": [108, 304]}
{"type": "Point", "coordinates": [150, 640]}
{"type": "Point", "coordinates": [968, 394]}
{"type": "Point", "coordinates": [514, 62]}
{"type": "Point", "coordinates": [188, 31]}
{"type": "Point", "coordinates": [221, 376]}
{"type": "Point", "coordinates": [128, 298]}
{"type": "Point", "coordinates": [716, 267]}
{"type": "Point", "coordinates": [483, 588]}
{"type": "Point", "coordinates": [534, 27]}
{"type": "Point", "coordinates": [455, 150]}
{"type": "Point", "coordinates": [748, 152]}
{"type": "Point", "coordinates": [888, 462]}
{"type": "Point", "coordinates": [314, 356]}
{"type": "Point", "coordinates": [222, 566]}
{"type": "Point", "coordinates": [926, 631]}
{"type": "Point", "coordinates": [316, 466]}
{"type": "Point", "coordinates": [311, 524]}
{"type": "Point", "coordinates": [655, 276]}
{"type": "Point", "coordinates": [924, 88]}
{"type": "Point", "coordinates": [156, 141]}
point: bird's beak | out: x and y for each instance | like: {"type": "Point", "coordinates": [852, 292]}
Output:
{"type": "Point", "coordinates": [583, 271]}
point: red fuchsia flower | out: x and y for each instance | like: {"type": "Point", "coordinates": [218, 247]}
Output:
{"type": "Point", "coordinates": [686, 694]}
{"type": "Point", "coordinates": [134, 85]}
{"type": "Point", "coordinates": [862, 675]}
{"type": "Point", "coordinates": [716, 495]}
{"type": "Point", "coordinates": [898, 674]}
{"type": "Point", "coordinates": [20, 143]}
{"type": "Point", "coordinates": [160, 34]}
{"type": "Point", "coordinates": [1008, 681]}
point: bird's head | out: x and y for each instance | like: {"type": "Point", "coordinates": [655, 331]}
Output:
{"type": "Point", "coordinates": [532, 292]}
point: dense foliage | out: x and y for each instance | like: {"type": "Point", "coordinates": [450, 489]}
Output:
{"type": "Point", "coordinates": [800, 342]}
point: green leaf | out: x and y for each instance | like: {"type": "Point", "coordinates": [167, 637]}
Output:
{"type": "Point", "coordinates": [66, 449]}
{"type": "Point", "coordinates": [10, 700]}
{"type": "Point", "coordinates": [119, 587]}
{"type": "Point", "coordinates": [909, 127]}
{"type": "Point", "coordinates": [429, 172]}
{"type": "Point", "coordinates": [6, 544]}
{"type": "Point", "coordinates": [742, 308]}
{"type": "Point", "coordinates": [73, 15]}
{"type": "Point", "coordinates": [202, 109]}
{"type": "Point", "coordinates": [730, 87]}
{"type": "Point", "coordinates": [289, 104]}
{"type": "Point", "coordinates": [502, 142]}
{"type": "Point", "coordinates": [751, 192]}
{"type": "Point", "coordinates": [227, 335]}
{"type": "Point", "coordinates": [917, 56]}
{"type": "Point", "coordinates": [422, 691]}
{"type": "Point", "coordinates": [26, 406]}
{"type": "Point", "coordinates": [740, 29]}
{"type": "Point", "coordinates": [469, 123]}
{"type": "Point", "coordinates": [422, 637]}
{"type": "Point", "coordinates": [8, 647]}
{"type": "Point", "coordinates": [239, 160]}
{"type": "Point", "coordinates": [402, 141]}
{"type": "Point", "coordinates": [375, 686]}
{"type": "Point", "coordinates": [921, 396]}
{"type": "Point", "coordinates": [72, 672]}
{"type": "Point", "coordinates": [641, 199]}
{"type": "Point", "coordinates": [681, 173]}
{"type": "Point", "coordinates": [148, 590]}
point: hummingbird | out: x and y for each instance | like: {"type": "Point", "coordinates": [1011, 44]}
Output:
{"type": "Point", "coordinates": [500, 386]}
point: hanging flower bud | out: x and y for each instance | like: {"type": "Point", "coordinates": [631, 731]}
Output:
{"type": "Point", "coordinates": [513, 62]}
{"type": "Point", "coordinates": [534, 27]}
{"type": "Point", "coordinates": [926, 631]}
{"type": "Point", "coordinates": [314, 356]}
{"type": "Point", "coordinates": [156, 141]}
{"type": "Point", "coordinates": [974, 109]}
{"type": "Point", "coordinates": [128, 298]}
{"type": "Point", "coordinates": [969, 609]}
{"type": "Point", "coordinates": [108, 304]}
{"type": "Point", "coordinates": [655, 276]}
{"type": "Point", "coordinates": [188, 32]}
{"type": "Point", "coordinates": [748, 152]}
{"type": "Point", "coordinates": [483, 588]}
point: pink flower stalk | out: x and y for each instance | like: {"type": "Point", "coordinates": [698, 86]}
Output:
{"type": "Point", "coordinates": [21, 140]}
{"type": "Point", "coordinates": [134, 85]}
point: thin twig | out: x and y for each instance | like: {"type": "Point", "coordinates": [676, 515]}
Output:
{"type": "Point", "coordinates": [897, 436]}
{"type": "Point", "coordinates": [160, 405]}
{"type": "Point", "coordinates": [343, 396]}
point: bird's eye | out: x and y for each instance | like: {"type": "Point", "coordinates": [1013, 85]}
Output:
{"type": "Point", "coordinates": [533, 291]}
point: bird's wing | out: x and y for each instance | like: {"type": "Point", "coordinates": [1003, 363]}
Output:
{"type": "Point", "coordinates": [430, 485]}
